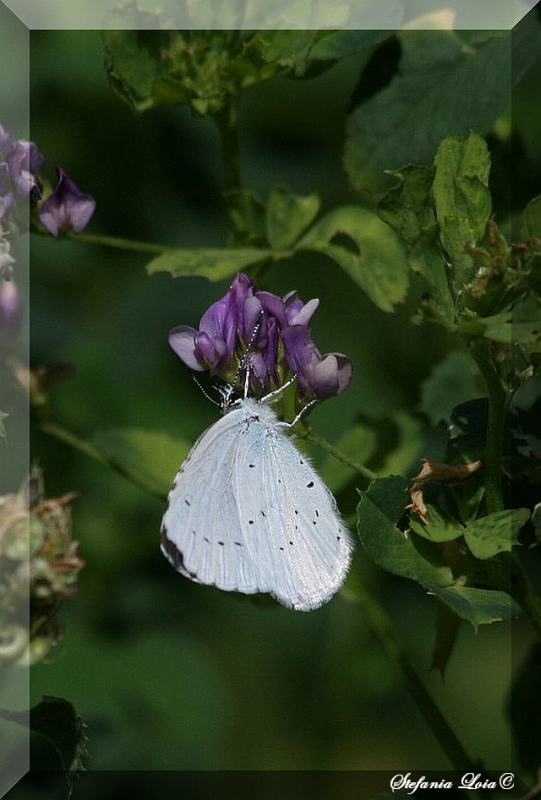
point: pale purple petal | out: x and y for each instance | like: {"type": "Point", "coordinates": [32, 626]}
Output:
{"type": "Point", "coordinates": [302, 316]}
{"type": "Point", "coordinates": [182, 341]}
{"type": "Point", "coordinates": [220, 322]}
{"type": "Point", "coordinates": [330, 376]}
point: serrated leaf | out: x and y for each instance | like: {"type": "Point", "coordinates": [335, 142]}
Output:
{"type": "Point", "coordinates": [522, 323]}
{"type": "Point", "coordinates": [462, 198]}
{"type": "Point", "coordinates": [496, 532]}
{"type": "Point", "coordinates": [408, 207]}
{"type": "Point", "coordinates": [366, 249]}
{"type": "Point", "coordinates": [56, 720]}
{"type": "Point", "coordinates": [288, 216]}
{"type": "Point", "coordinates": [441, 87]}
{"type": "Point", "coordinates": [477, 606]}
{"type": "Point", "coordinates": [149, 458]}
{"type": "Point", "coordinates": [215, 264]}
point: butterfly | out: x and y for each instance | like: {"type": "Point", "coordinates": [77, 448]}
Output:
{"type": "Point", "coordinates": [247, 512]}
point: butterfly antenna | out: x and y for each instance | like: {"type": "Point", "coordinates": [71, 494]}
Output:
{"type": "Point", "coordinates": [204, 392]}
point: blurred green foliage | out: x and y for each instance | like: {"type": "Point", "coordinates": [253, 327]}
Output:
{"type": "Point", "coordinates": [168, 674]}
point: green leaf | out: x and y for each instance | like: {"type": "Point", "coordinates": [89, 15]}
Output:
{"type": "Point", "coordinates": [378, 512]}
{"type": "Point", "coordinates": [451, 383]}
{"type": "Point", "coordinates": [359, 443]}
{"type": "Point", "coordinates": [366, 249]}
{"type": "Point", "coordinates": [149, 458]}
{"type": "Point", "coordinates": [522, 323]}
{"type": "Point", "coordinates": [206, 68]}
{"type": "Point", "coordinates": [496, 532]}
{"type": "Point", "coordinates": [403, 554]}
{"type": "Point", "coordinates": [408, 207]}
{"type": "Point", "coordinates": [3, 415]}
{"type": "Point", "coordinates": [214, 264]}
{"type": "Point", "coordinates": [441, 87]}
{"type": "Point", "coordinates": [288, 216]}
{"type": "Point", "coordinates": [57, 720]}
{"type": "Point", "coordinates": [283, 49]}
{"type": "Point", "coordinates": [462, 198]}
{"type": "Point", "coordinates": [439, 528]}
{"type": "Point", "coordinates": [477, 606]}
{"type": "Point", "coordinates": [530, 227]}
{"type": "Point", "coordinates": [132, 62]}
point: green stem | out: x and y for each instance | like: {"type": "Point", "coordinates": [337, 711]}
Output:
{"type": "Point", "coordinates": [314, 437]}
{"type": "Point", "coordinates": [90, 450]}
{"type": "Point", "coordinates": [121, 244]}
{"type": "Point", "coordinates": [380, 626]}
{"type": "Point", "coordinates": [498, 405]}
{"type": "Point", "coordinates": [226, 122]}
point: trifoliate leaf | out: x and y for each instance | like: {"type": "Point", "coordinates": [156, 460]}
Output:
{"type": "Point", "coordinates": [496, 532]}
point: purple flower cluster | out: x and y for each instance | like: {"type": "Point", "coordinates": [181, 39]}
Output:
{"type": "Point", "coordinates": [66, 208]}
{"type": "Point", "coordinates": [258, 335]}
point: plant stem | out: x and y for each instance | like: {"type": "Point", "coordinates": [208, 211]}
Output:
{"type": "Point", "coordinates": [380, 626]}
{"type": "Point", "coordinates": [239, 219]}
{"type": "Point", "coordinates": [90, 450]}
{"type": "Point", "coordinates": [314, 437]}
{"type": "Point", "coordinates": [498, 405]}
{"type": "Point", "coordinates": [226, 122]}
{"type": "Point", "coordinates": [121, 244]}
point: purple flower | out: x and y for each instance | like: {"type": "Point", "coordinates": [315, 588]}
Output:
{"type": "Point", "coordinates": [19, 163]}
{"type": "Point", "coordinates": [213, 345]}
{"type": "Point", "coordinates": [24, 162]}
{"type": "Point", "coordinates": [67, 208]}
{"type": "Point", "coordinates": [259, 336]}
{"type": "Point", "coordinates": [319, 375]}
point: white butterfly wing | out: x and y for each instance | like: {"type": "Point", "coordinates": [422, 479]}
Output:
{"type": "Point", "coordinates": [301, 546]}
{"type": "Point", "coordinates": [201, 529]}
{"type": "Point", "coordinates": [248, 512]}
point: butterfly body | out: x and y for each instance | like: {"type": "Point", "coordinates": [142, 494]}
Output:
{"type": "Point", "coordinates": [248, 513]}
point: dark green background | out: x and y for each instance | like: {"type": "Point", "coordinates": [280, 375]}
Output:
{"type": "Point", "coordinates": [168, 674]}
